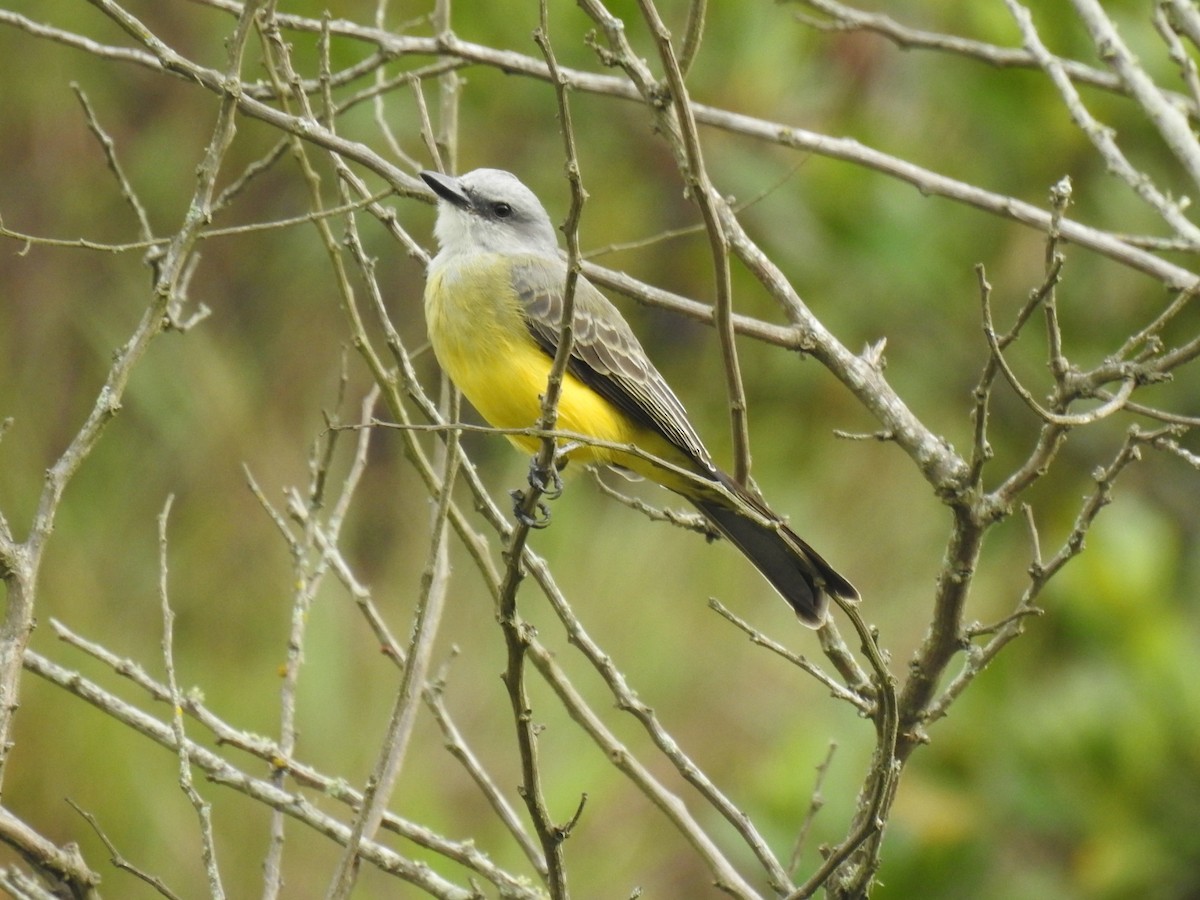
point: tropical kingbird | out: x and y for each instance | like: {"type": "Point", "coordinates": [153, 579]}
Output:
{"type": "Point", "coordinates": [494, 303]}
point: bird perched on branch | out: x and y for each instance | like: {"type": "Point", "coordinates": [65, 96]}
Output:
{"type": "Point", "coordinates": [494, 305]}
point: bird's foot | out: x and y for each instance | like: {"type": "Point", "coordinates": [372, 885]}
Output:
{"type": "Point", "coordinates": [540, 517]}
{"type": "Point", "coordinates": [546, 481]}
{"type": "Point", "coordinates": [546, 478]}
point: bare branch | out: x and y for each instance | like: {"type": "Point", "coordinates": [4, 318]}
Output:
{"type": "Point", "coordinates": [309, 108]}
{"type": "Point", "coordinates": [690, 159]}
{"type": "Point", "coordinates": [171, 267]}
{"type": "Point", "coordinates": [724, 874]}
{"type": "Point", "coordinates": [199, 804]}
{"type": "Point", "coordinates": [118, 860]}
{"type": "Point", "coordinates": [63, 866]}
{"type": "Point", "coordinates": [816, 803]}
{"type": "Point", "coordinates": [221, 771]}
{"type": "Point", "coordinates": [846, 18]}
{"type": "Point", "coordinates": [1171, 123]}
{"type": "Point", "coordinates": [1102, 137]}
{"type": "Point", "coordinates": [456, 745]}
{"type": "Point", "coordinates": [110, 155]}
{"type": "Point", "coordinates": [841, 692]}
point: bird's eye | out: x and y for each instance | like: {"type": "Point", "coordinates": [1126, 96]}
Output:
{"type": "Point", "coordinates": [502, 210]}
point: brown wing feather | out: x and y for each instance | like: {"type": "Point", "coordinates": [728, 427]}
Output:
{"type": "Point", "coordinates": [605, 355]}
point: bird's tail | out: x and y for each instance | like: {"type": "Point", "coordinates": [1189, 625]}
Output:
{"type": "Point", "coordinates": [800, 575]}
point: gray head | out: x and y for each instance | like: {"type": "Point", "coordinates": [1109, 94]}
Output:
{"type": "Point", "coordinates": [489, 211]}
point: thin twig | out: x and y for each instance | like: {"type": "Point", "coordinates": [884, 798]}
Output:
{"type": "Point", "coordinates": [117, 858]}
{"type": "Point", "coordinates": [978, 657]}
{"type": "Point", "coordinates": [263, 749]}
{"type": "Point", "coordinates": [686, 520]}
{"type": "Point", "coordinates": [846, 18]}
{"type": "Point", "coordinates": [837, 690]}
{"type": "Point", "coordinates": [220, 771]}
{"type": "Point", "coordinates": [1063, 420]}
{"type": "Point", "coordinates": [1102, 137]}
{"type": "Point", "coordinates": [725, 876]}
{"type": "Point", "coordinates": [431, 603]}
{"type": "Point", "coordinates": [199, 804]}
{"type": "Point", "coordinates": [930, 183]}
{"type": "Point", "coordinates": [64, 867]}
{"type": "Point", "coordinates": [816, 802]}
{"type": "Point", "coordinates": [114, 163]}
{"type": "Point", "coordinates": [456, 745]}
{"type": "Point", "coordinates": [690, 159]}
{"type": "Point", "coordinates": [20, 564]}
{"type": "Point", "coordinates": [516, 632]}
{"type": "Point", "coordinates": [859, 850]}
{"type": "Point", "coordinates": [693, 32]}
{"type": "Point", "coordinates": [1170, 122]}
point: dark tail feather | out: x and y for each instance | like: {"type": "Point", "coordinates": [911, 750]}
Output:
{"type": "Point", "coordinates": [794, 569]}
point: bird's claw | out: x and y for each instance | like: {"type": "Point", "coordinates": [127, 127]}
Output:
{"type": "Point", "coordinates": [546, 479]}
{"type": "Point", "coordinates": [541, 516]}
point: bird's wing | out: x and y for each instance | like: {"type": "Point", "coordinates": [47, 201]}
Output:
{"type": "Point", "coordinates": [606, 356]}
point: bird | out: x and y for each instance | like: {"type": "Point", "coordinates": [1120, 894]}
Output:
{"type": "Point", "coordinates": [494, 299]}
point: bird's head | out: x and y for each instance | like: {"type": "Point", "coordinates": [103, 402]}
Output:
{"type": "Point", "coordinates": [489, 211]}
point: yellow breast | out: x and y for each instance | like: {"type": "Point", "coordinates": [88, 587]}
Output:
{"type": "Point", "coordinates": [478, 331]}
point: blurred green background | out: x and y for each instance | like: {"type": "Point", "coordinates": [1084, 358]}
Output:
{"type": "Point", "coordinates": [1070, 769]}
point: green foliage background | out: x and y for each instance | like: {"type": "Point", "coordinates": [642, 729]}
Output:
{"type": "Point", "coordinates": [1071, 769]}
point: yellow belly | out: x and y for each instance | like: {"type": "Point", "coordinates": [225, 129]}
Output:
{"type": "Point", "coordinates": [507, 387]}
{"type": "Point", "coordinates": [481, 340]}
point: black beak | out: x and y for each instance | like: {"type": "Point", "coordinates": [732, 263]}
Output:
{"type": "Point", "coordinates": [447, 188]}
